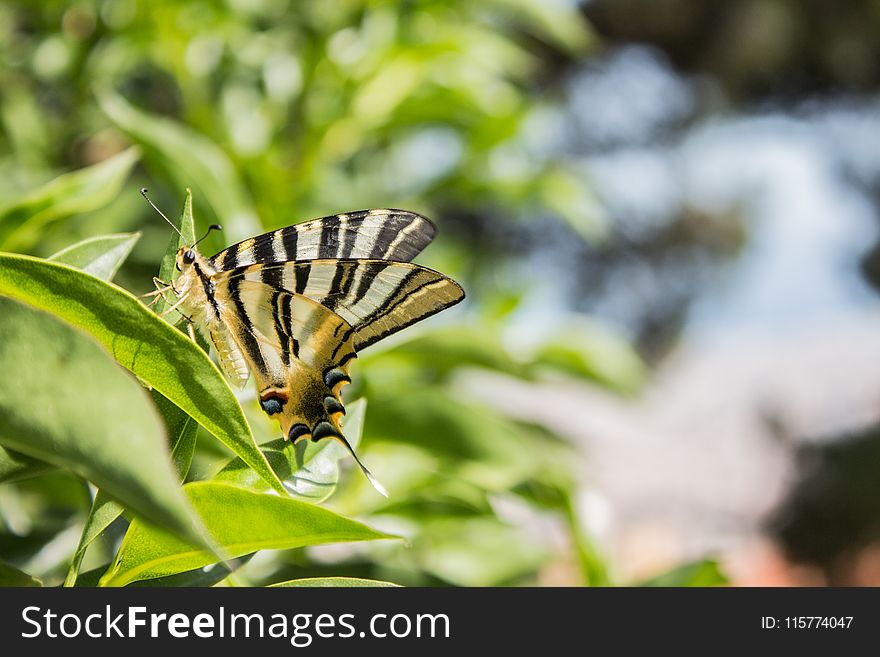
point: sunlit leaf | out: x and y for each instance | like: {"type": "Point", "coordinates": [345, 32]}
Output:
{"type": "Point", "coordinates": [586, 349]}
{"type": "Point", "coordinates": [94, 419]}
{"type": "Point", "coordinates": [103, 512]}
{"type": "Point", "coordinates": [699, 573]}
{"type": "Point", "coordinates": [69, 194]}
{"type": "Point", "coordinates": [12, 576]}
{"type": "Point", "coordinates": [192, 159]}
{"type": "Point", "coordinates": [156, 352]}
{"type": "Point", "coordinates": [476, 552]}
{"type": "Point", "coordinates": [100, 256]}
{"type": "Point", "coordinates": [181, 430]}
{"type": "Point", "coordinates": [240, 521]}
{"type": "Point", "coordinates": [206, 576]}
{"type": "Point", "coordinates": [570, 196]}
{"type": "Point", "coordinates": [334, 582]}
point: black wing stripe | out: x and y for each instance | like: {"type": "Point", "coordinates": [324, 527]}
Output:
{"type": "Point", "coordinates": [272, 276]}
{"type": "Point", "coordinates": [328, 242]}
{"type": "Point", "coordinates": [302, 277]}
{"type": "Point", "coordinates": [281, 328]}
{"type": "Point", "coordinates": [230, 258]}
{"type": "Point", "coordinates": [347, 238]}
{"type": "Point", "coordinates": [342, 280]}
{"type": "Point", "coordinates": [263, 250]}
{"type": "Point", "coordinates": [289, 239]}
{"type": "Point", "coordinates": [383, 239]}
{"type": "Point", "coordinates": [368, 275]}
{"type": "Point", "coordinates": [250, 344]}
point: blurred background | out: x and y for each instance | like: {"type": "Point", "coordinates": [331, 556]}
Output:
{"type": "Point", "coordinates": [664, 212]}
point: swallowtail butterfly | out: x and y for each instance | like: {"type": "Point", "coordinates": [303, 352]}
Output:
{"type": "Point", "coordinates": [295, 305]}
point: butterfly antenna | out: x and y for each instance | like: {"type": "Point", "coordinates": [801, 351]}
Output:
{"type": "Point", "coordinates": [369, 475]}
{"type": "Point", "coordinates": [144, 191]}
{"type": "Point", "coordinates": [210, 228]}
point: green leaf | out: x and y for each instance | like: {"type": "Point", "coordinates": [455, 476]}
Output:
{"type": "Point", "coordinates": [586, 349]}
{"type": "Point", "coordinates": [699, 573]}
{"type": "Point", "coordinates": [167, 269]}
{"type": "Point", "coordinates": [181, 429]}
{"type": "Point", "coordinates": [479, 551]}
{"type": "Point", "coordinates": [69, 404]}
{"type": "Point", "coordinates": [103, 512]}
{"type": "Point", "coordinates": [569, 195]}
{"type": "Point", "coordinates": [191, 159]}
{"type": "Point", "coordinates": [560, 23]}
{"type": "Point", "coordinates": [100, 256]}
{"type": "Point", "coordinates": [186, 225]}
{"type": "Point", "coordinates": [15, 466]}
{"type": "Point", "coordinates": [157, 353]}
{"type": "Point", "coordinates": [11, 576]}
{"type": "Point", "coordinates": [310, 471]}
{"type": "Point", "coordinates": [240, 521]}
{"type": "Point", "coordinates": [334, 582]}
{"type": "Point", "coordinates": [450, 348]}
{"type": "Point", "coordinates": [67, 195]}
{"type": "Point", "coordinates": [200, 577]}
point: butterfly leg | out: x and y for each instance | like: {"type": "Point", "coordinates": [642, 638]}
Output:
{"type": "Point", "coordinates": [174, 307]}
{"type": "Point", "coordinates": [162, 288]}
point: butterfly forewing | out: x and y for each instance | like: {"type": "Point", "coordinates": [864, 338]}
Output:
{"type": "Point", "coordinates": [378, 234]}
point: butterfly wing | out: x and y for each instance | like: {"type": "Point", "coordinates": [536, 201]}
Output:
{"type": "Point", "coordinates": [383, 234]}
{"type": "Point", "coordinates": [375, 297]}
{"type": "Point", "coordinates": [299, 353]}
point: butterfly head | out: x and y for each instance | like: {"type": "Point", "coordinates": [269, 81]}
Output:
{"type": "Point", "coordinates": [186, 258]}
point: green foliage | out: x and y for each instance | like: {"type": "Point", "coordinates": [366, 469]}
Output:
{"type": "Point", "coordinates": [100, 256]}
{"type": "Point", "coordinates": [334, 582]}
{"type": "Point", "coordinates": [159, 355]}
{"type": "Point", "coordinates": [706, 572]}
{"type": "Point", "coordinates": [68, 195]}
{"type": "Point", "coordinates": [11, 576]}
{"type": "Point", "coordinates": [273, 116]}
{"type": "Point", "coordinates": [240, 521]}
{"type": "Point", "coordinates": [98, 423]}
{"type": "Point", "coordinates": [181, 431]}
{"type": "Point", "coordinates": [192, 160]}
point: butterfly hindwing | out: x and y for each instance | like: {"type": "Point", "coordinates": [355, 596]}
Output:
{"type": "Point", "coordinates": [375, 297]}
{"type": "Point", "coordinates": [384, 234]}
{"type": "Point", "coordinates": [299, 352]}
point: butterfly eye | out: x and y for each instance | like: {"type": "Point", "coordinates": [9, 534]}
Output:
{"type": "Point", "coordinates": [189, 257]}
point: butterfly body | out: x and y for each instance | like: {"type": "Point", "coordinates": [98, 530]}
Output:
{"type": "Point", "coordinates": [293, 306]}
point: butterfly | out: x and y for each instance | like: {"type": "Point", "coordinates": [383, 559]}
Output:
{"type": "Point", "coordinates": [295, 305]}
